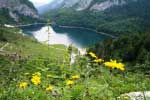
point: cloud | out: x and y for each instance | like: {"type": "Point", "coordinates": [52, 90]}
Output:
{"type": "Point", "coordinates": [40, 2]}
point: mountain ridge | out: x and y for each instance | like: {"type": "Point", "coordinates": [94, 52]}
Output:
{"type": "Point", "coordinates": [117, 18]}
{"type": "Point", "coordinates": [79, 5]}
{"type": "Point", "coordinates": [17, 10]}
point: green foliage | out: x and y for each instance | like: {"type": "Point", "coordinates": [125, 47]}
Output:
{"type": "Point", "coordinates": [4, 16]}
{"type": "Point", "coordinates": [96, 81]}
{"type": "Point", "coordinates": [33, 54]}
{"type": "Point", "coordinates": [130, 18]}
{"type": "Point", "coordinates": [132, 48]}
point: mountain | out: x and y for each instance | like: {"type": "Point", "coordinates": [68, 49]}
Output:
{"type": "Point", "coordinates": [53, 5]}
{"type": "Point", "coordinates": [17, 11]}
{"type": "Point", "coordinates": [57, 4]}
{"type": "Point", "coordinates": [80, 5]}
{"type": "Point", "coordinates": [110, 16]}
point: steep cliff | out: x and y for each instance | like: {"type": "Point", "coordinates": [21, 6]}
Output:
{"type": "Point", "coordinates": [17, 10]}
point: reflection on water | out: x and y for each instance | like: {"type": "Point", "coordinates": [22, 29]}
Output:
{"type": "Point", "coordinates": [55, 38]}
{"type": "Point", "coordinates": [66, 36]}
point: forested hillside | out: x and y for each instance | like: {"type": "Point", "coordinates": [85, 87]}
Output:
{"type": "Point", "coordinates": [133, 49]}
{"type": "Point", "coordinates": [132, 17]}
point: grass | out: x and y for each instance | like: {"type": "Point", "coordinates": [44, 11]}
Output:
{"type": "Point", "coordinates": [28, 46]}
{"type": "Point", "coordinates": [96, 82]}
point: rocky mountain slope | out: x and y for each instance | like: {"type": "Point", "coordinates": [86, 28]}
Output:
{"type": "Point", "coordinates": [110, 16]}
{"type": "Point", "coordinates": [17, 10]}
{"type": "Point", "coordinates": [80, 5]}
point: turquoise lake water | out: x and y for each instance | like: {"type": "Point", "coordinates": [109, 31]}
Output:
{"type": "Point", "coordinates": [60, 35]}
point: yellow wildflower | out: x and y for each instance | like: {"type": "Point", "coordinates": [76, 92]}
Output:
{"type": "Point", "coordinates": [23, 85]}
{"type": "Point", "coordinates": [113, 64]}
{"type": "Point", "coordinates": [49, 88]}
{"type": "Point", "coordinates": [36, 80]}
{"type": "Point", "coordinates": [75, 77]}
{"type": "Point", "coordinates": [110, 64]}
{"type": "Point", "coordinates": [98, 60]}
{"type": "Point", "coordinates": [69, 82]}
{"type": "Point", "coordinates": [121, 66]}
{"type": "Point", "coordinates": [92, 54]}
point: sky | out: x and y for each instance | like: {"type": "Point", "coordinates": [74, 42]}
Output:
{"type": "Point", "coordinates": [38, 3]}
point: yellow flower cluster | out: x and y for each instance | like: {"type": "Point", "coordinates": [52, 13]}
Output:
{"type": "Point", "coordinates": [49, 89]}
{"type": "Point", "coordinates": [72, 79]}
{"type": "Point", "coordinates": [113, 64]}
{"type": "Point", "coordinates": [36, 78]}
{"type": "Point", "coordinates": [69, 82]}
{"type": "Point", "coordinates": [23, 85]}
{"type": "Point", "coordinates": [93, 55]}
{"type": "Point", "coordinates": [96, 59]}
{"type": "Point", "coordinates": [75, 77]}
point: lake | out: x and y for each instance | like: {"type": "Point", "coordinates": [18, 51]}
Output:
{"type": "Point", "coordinates": [80, 38]}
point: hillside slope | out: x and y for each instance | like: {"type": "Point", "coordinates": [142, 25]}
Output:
{"type": "Point", "coordinates": [31, 70]}
{"type": "Point", "coordinates": [17, 11]}
{"type": "Point", "coordinates": [111, 16]}
{"type": "Point", "coordinates": [133, 49]}
{"type": "Point", "coordinates": [80, 5]}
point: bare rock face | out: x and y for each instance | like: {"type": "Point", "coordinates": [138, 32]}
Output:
{"type": "Point", "coordinates": [76, 4]}
{"type": "Point", "coordinates": [14, 16]}
{"type": "Point", "coordinates": [84, 4]}
{"type": "Point", "coordinates": [26, 10]}
{"type": "Point", "coordinates": [19, 7]}
{"type": "Point", "coordinates": [79, 5]}
{"type": "Point", "coordinates": [109, 3]}
{"type": "Point", "coordinates": [135, 96]}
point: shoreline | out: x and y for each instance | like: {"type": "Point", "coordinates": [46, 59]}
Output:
{"type": "Point", "coordinates": [29, 24]}
{"type": "Point", "coordinates": [64, 26]}
{"type": "Point", "coordinates": [90, 29]}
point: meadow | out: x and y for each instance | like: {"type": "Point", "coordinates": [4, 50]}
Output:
{"type": "Point", "coordinates": [30, 70]}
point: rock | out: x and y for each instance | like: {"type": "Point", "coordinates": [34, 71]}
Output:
{"type": "Point", "coordinates": [107, 4]}
{"type": "Point", "coordinates": [135, 96]}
